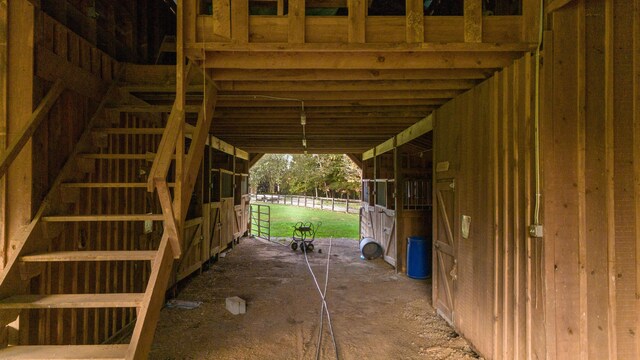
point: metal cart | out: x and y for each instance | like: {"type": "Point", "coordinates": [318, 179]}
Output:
{"type": "Point", "coordinates": [303, 236]}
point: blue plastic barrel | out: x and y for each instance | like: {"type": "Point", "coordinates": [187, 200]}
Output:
{"type": "Point", "coordinates": [418, 257]}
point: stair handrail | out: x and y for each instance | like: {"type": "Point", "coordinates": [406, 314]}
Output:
{"type": "Point", "coordinates": [167, 146]}
{"type": "Point", "coordinates": [15, 147]}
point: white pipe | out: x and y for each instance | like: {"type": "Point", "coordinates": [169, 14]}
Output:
{"type": "Point", "coordinates": [536, 122]}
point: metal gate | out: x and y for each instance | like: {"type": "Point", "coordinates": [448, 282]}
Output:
{"type": "Point", "coordinates": [261, 221]}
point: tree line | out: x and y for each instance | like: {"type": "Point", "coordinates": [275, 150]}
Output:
{"type": "Point", "coordinates": [328, 175]}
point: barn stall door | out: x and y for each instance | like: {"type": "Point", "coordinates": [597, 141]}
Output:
{"type": "Point", "coordinates": [445, 244]}
{"type": "Point", "coordinates": [214, 229]}
{"type": "Point", "coordinates": [388, 235]}
{"type": "Point", "coordinates": [367, 229]}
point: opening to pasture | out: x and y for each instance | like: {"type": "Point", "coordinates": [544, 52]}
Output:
{"type": "Point", "coordinates": [323, 190]}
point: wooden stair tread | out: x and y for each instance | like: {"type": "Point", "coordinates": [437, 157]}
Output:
{"type": "Point", "coordinates": [129, 131]}
{"type": "Point", "coordinates": [109, 185]}
{"type": "Point", "coordinates": [68, 301]}
{"type": "Point", "coordinates": [119, 255]}
{"type": "Point", "coordinates": [67, 352]}
{"type": "Point", "coordinates": [117, 217]}
{"type": "Point", "coordinates": [148, 156]}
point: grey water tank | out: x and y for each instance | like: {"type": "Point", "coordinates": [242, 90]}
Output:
{"type": "Point", "coordinates": [370, 249]}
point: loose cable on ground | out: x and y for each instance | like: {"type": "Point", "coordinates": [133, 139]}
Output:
{"type": "Point", "coordinates": [324, 302]}
{"type": "Point", "coordinates": [324, 294]}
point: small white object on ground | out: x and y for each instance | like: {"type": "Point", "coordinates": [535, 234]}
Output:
{"type": "Point", "coordinates": [236, 305]}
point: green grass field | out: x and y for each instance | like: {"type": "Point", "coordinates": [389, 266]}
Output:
{"type": "Point", "coordinates": [334, 224]}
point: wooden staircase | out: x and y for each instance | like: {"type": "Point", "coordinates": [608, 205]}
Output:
{"type": "Point", "coordinates": [97, 257]}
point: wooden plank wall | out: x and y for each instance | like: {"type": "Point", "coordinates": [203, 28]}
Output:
{"type": "Point", "coordinates": [485, 136]}
{"type": "Point", "coordinates": [120, 28]}
{"type": "Point", "coordinates": [591, 165]}
{"type": "Point", "coordinates": [55, 139]}
{"type": "Point", "coordinates": [573, 293]}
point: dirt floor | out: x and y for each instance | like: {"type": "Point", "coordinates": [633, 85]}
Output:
{"type": "Point", "coordinates": [376, 313]}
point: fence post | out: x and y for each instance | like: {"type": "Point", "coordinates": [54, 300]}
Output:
{"type": "Point", "coordinates": [321, 204]}
{"type": "Point", "coordinates": [305, 201]}
{"type": "Point", "coordinates": [259, 229]}
{"type": "Point", "coordinates": [333, 204]}
{"type": "Point", "coordinates": [347, 205]}
{"type": "Point", "coordinates": [313, 203]}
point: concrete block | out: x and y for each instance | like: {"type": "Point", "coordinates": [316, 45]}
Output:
{"type": "Point", "coordinates": [236, 305]}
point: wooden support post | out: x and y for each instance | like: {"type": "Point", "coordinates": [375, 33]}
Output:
{"type": "Point", "coordinates": [415, 21]}
{"type": "Point", "coordinates": [530, 20]}
{"type": "Point", "coordinates": [21, 21]}
{"type": "Point", "coordinates": [222, 15]}
{"type": "Point", "coordinates": [280, 8]}
{"type": "Point", "coordinates": [240, 21]}
{"type": "Point", "coordinates": [198, 142]}
{"type": "Point", "coordinates": [296, 21]}
{"type": "Point", "coordinates": [190, 21]}
{"type": "Point", "coordinates": [3, 126]}
{"type": "Point", "coordinates": [473, 21]}
{"type": "Point", "coordinates": [357, 20]}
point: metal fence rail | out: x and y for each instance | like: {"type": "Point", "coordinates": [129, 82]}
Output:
{"type": "Point", "coordinates": [322, 203]}
{"type": "Point", "coordinates": [261, 221]}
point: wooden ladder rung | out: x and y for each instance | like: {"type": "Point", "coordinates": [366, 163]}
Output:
{"type": "Point", "coordinates": [70, 301]}
{"type": "Point", "coordinates": [66, 352]}
{"type": "Point", "coordinates": [108, 185]}
{"type": "Point", "coordinates": [120, 255]}
{"type": "Point", "coordinates": [85, 218]}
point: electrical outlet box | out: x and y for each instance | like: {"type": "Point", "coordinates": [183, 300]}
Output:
{"type": "Point", "coordinates": [536, 230]}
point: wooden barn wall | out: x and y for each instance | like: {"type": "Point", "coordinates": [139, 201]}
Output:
{"type": "Point", "coordinates": [485, 135]}
{"type": "Point", "coordinates": [57, 47]}
{"type": "Point", "coordinates": [126, 30]}
{"type": "Point", "coordinates": [572, 293]}
{"type": "Point", "coordinates": [591, 174]}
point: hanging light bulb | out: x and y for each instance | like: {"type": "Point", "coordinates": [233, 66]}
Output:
{"type": "Point", "coordinates": [303, 118]}
{"type": "Point", "coordinates": [304, 143]}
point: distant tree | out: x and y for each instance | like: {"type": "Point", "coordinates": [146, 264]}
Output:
{"type": "Point", "coordinates": [268, 175]}
{"type": "Point", "coordinates": [331, 174]}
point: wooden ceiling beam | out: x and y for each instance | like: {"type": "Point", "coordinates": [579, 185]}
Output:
{"type": "Point", "coordinates": [355, 47]}
{"type": "Point", "coordinates": [319, 115]}
{"type": "Point", "coordinates": [370, 60]}
{"type": "Point", "coordinates": [350, 85]}
{"type": "Point", "coordinates": [345, 95]}
{"type": "Point", "coordinates": [357, 159]}
{"type": "Point", "coordinates": [253, 159]}
{"type": "Point", "coordinates": [319, 111]}
{"type": "Point", "coordinates": [234, 74]}
{"type": "Point", "coordinates": [243, 103]}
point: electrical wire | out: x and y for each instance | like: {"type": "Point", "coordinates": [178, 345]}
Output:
{"type": "Point", "coordinates": [323, 296]}
{"type": "Point", "coordinates": [536, 122]}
